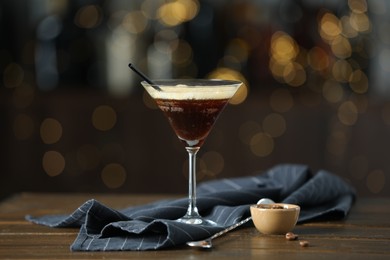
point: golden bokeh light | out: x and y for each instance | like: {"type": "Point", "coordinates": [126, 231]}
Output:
{"type": "Point", "coordinates": [358, 6]}
{"type": "Point", "coordinates": [182, 53]}
{"type": "Point", "coordinates": [230, 74]}
{"type": "Point", "coordinates": [341, 71]}
{"type": "Point", "coordinates": [167, 41]}
{"type": "Point", "coordinates": [341, 47]}
{"type": "Point", "coordinates": [277, 69]}
{"type": "Point", "coordinates": [51, 131]}
{"type": "Point", "coordinates": [261, 144]}
{"type": "Point", "coordinates": [376, 181]}
{"type": "Point", "coordinates": [149, 9]}
{"type": "Point", "coordinates": [175, 12]}
{"type": "Point", "coordinates": [53, 163]}
{"type": "Point", "coordinates": [104, 118]}
{"type": "Point", "coordinates": [281, 100]}
{"type": "Point", "coordinates": [360, 22]}
{"type": "Point", "coordinates": [358, 82]}
{"type": "Point", "coordinates": [238, 49]}
{"type": "Point", "coordinates": [135, 22]}
{"type": "Point", "coordinates": [287, 61]}
{"type": "Point", "coordinates": [274, 124]}
{"type": "Point", "coordinates": [113, 175]}
{"type": "Point", "coordinates": [348, 113]}
{"type": "Point", "coordinates": [332, 91]}
{"type": "Point", "coordinates": [318, 59]}
{"type": "Point", "coordinates": [329, 27]}
{"type": "Point", "coordinates": [23, 126]}
{"type": "Point", "coordinates": [88, 17]}
{"type": "Point", "coordinates": [283, 47]}
{"type": "Point", "coordinates": [294, 74]}
{"type": "Point", "coordinates": [348, 30]}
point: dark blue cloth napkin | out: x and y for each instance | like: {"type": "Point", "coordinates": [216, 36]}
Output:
{"type": "Point", "coordinates": [321, 196]}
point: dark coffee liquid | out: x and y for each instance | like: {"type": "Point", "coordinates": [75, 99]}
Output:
{"type": "Point", "coordinates": [192, 119]}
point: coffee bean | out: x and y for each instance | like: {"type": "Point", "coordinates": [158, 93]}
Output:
{"type": "Point", "coordinates": [304, 243]}
{"type": "Point", "coordinates": [291, 236]}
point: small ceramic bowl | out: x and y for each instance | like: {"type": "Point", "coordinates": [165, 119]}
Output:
{"type": "Point", "coordinates": [276, 218]}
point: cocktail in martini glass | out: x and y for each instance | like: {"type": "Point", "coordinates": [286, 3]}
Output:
{"type": "Point", "coordinates": [192, 107]}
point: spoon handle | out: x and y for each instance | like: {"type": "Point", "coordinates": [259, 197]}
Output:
{"type": "Point", "coordinates": [220, 233]}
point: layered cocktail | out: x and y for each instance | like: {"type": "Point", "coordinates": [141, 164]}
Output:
{"type": "Point", "coordinates": [192, 107]}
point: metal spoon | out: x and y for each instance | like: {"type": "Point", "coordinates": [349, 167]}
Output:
{"type": "Point", "coordinates": [206, 243]}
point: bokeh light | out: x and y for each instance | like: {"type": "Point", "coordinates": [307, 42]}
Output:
{"type": "Point", "coordinates": [283, 48]}
{"type": "Point", "coordinates": [53, 163]}
{"type": "Point", "coordinates": [274, 124]}
{"type": "Point", "coordinates": [283, 64]}
{"type": "Point", "coordinates": [341, 71]}
{"type": "Point", "coordinates": [358, 82]}
{"type": "Point", "coordinates": [262, 144]}
{"type": "Point", "coordinates": [88, 17]}
{"type": "Point", "coordinates": [135, 22]}
{"type": "Point", "coordinates": [175, 12]}
{"type": "Point", "coordinates": [51, 131]}
{"type": "Point", "coordinates": [341, 47]}
{"type": "Point", "coordinates": [104, 118]}
{"type": "Point", "coordinates": [348, 113]}
{"type": "Point", "coordinates": [113, 175]}
{"type": "Point", "coordinates": [229, 74]}
{"type": "Point", "coordinates": [320, 61]}
{"type": "Point", "coordinates": [332, 91]}
{"type": "Point", "coordinates": [329, 27]}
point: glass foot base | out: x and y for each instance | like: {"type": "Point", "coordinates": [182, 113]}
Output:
{"type": "Point", "coordinates": [196, 221]}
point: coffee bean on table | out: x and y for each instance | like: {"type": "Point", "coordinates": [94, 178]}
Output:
{"type": "Point", "coordinates": [291, 236]}
{"type": "Point", "coordinates": [304, 243]}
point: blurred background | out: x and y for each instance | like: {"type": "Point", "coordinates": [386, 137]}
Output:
{"type": "Point", "coordinates": [74, 118]}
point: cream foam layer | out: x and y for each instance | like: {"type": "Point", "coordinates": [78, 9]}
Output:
{"type": "Point", "coordinates": [184, 92]}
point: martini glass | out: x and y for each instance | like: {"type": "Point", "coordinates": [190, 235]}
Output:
{"type": "Point", "coordinates": [192, 107]}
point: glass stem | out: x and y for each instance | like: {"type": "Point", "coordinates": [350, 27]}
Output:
{"type": "Point", "coordinates": [192, 209]}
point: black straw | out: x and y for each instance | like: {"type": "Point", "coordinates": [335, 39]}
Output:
{"type": "Point", "coordinates": [131, 66]}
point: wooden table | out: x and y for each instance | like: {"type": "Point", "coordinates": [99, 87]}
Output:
{"type": "Point", "coordinates": [365, 234]}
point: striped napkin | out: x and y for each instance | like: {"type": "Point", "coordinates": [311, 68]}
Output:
{"type": "Point", "coordinates": [321, 196]}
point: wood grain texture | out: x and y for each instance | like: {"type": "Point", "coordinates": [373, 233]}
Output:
{"type": "Point", "coordinates": [365, 234]}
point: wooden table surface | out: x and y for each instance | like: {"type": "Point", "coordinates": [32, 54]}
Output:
{"type": "Point", "coordinates": [365, 234]}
